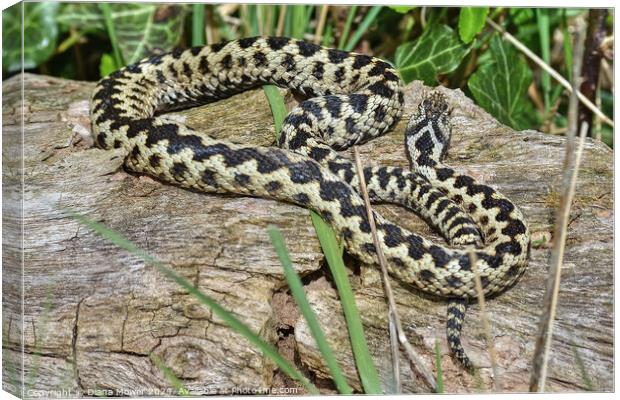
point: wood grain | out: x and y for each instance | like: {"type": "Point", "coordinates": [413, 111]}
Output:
{"type": "Point", "coordinates": [93, 313]}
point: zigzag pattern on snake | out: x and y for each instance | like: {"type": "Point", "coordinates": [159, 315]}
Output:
{"type": "Point", "coordinates": [352, 99]}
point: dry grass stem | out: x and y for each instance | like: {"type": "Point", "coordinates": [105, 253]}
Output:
{"type": "Point", "coordinates": [395, 357]}
{"type": "Point", "coordinates": [557, 256]}
{"type": "Point", "coordinates": [268, 17]}
{"type": "Point", "coordinates": [569, 180]}
{"type": "Point", "coordinates": [318, 33]}
{"type": "Point", "coordinates": [414, 358]}
{"type": "Point", "coordinates": [561, 80]}
{"type": "Point", "coordinates": [281, 19]}
{"type": "Point", "coordinates": [484, 317]}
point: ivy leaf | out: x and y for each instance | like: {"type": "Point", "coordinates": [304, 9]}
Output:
{"type": "Point", "coordinates": [141, 29]}
{"type": "Point", "coordinates": [402, 9]}
{"type": "Point", "coordinates": [437, 51]}
{"type": "Point", "coordinates": [500, 86]}
{"type": "Point", "coordinates": [40, 35]}
{"type": "Point", "coordinates": [471, 22]}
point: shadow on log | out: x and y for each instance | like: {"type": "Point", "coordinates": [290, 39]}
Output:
{"type": "Point", "coordinates": [93, 313]}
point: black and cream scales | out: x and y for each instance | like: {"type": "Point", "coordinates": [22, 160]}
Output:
{"type": "Point", "coordinates": [353, 98]}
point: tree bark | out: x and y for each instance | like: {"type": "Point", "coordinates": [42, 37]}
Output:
{"type": "Point", "coordinates": [93, 314]}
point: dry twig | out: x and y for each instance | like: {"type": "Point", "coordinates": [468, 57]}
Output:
{"type": "Point", "coordinates": [561, 80]}
{"type": "Point", "coordinates": [571, 166]}
{"type": "Point", "coordinates": [485, 320]}
{"type": "Point", "coordinates": [414, 358]}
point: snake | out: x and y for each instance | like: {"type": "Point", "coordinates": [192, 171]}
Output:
{"type": "Point", "coordinates": [350, 98]}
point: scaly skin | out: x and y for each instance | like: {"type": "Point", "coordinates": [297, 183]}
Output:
{"type": "Point", "coordinates": [354, 98]}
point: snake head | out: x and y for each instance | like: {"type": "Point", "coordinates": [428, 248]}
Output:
{"type": "Point", "coordinates": [435, 107]}
{"type": "Point", "coordinates": [428, 131]}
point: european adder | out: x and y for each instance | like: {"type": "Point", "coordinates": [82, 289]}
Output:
{"type": "Point", "coordinates": [352, 98]}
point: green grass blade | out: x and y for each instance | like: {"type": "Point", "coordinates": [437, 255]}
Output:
{"type": "Point", "coordinates": [568, 48]}
{"type": "Point", "coordinates": [109, 24]}
{"type": "Point", "coordinates": [585, 377]}
{"type": "Point", "coordinates": [440, 388]}
{"type": "Point", "coordinates": [478, 382]}
{"type": "Point", "coordinates": [198, 24]}
{"type": "Point", "coordinates": [288, 18]}
{"type": "Point", "coordinates": [542, 20]}
{"type": "Point", "coordinates": [226, 32]}
{"type": "Point", "coordinates": [226, 316]}
{"type": "Point", "coordinates": [176, 383]}
{"type": "Point", "coordinates": [347, 27]}
{"type": "Point", "coordinates": [276, 103]}
{"type": "Point", "coordinates": [298, 21]}
{"type": "Point", "coordinates": [333, 253]}
{"type": "Point", "coordinates": [308, 17]}
{"type": "Point", "coordinates": [253, 19]}
{"type": "Point", "coordinates": [361, 30]}
{"type": "Point", "coordinates": [294, 283]}
{"type": "Point", "coordinates": [327, 36]}
{"type": "Point", "coordinates": [271, 19]}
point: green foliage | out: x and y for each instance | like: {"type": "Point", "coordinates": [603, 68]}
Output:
{"type": "Point", "coordinates": [198, 24]}
{"type": "Point", "coordinates": [40, 34]}
{"type": "Point", "coordinates": [402, 9]}
{"type": "Point", "coordinates": [438, 368]}
{"type": "Point", "coordinates": [119, 60]}
{"type": "Point", "coordinates": [363, 27]}
{"type": "Point", "coordinates": [142, 29]}
{"type": "Point", "coordinates": [333, 253]}
{"type": "Point", "coordinates": [585, 377]}
{"type": "Point", "coordinates": [297, 290]}
{"type": "Point", "coordinates": [347, 27]}
{"type": "Point", "coordinates": [437, 51]}
{"type": "Point", "coordinates": [169, 374]}
{"type": "Point", "coordinates": [430, 44]}
{"type": "Point", "coordinates": [471, 22]}
{"type": "Point", "coordinates": [277, 106]}
{"type": "Point", "coordinates": [500, 86]}
{"type": "Point", "coordinates": [521, 16]}
{"type": "Point", "coordinates": [107, 65]}
{"type": "Point", "coordinates": [544, 32]}
{"type": "Point", "coordinates": [226, 316]}
{"type": "Point", "coordinates": [607, 133]}
{"type": "Point", "coordinates": [298, 19]}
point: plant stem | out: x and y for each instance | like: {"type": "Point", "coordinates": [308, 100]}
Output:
{"type": "Point", "coordinates": [571, 166]}
{"type": "Point", "coordinates": [109, 24]}
{"type": "Point", "coordinates": [361, 30]}
{"type": "Point", "coordinates": [297, 290]}
{"type": "Point", "coordinates": [551, 71]}
{"type": "Point", "coordinates": [347, 27]}
{"type": "Point", "coordinates": [198, 24]}
{"type": "Point", "coordinates": [414, 359]}
{"type": "Point", "coordinates": [321, 24]}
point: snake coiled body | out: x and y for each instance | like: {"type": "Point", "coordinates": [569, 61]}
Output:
{"type": "Point", "coordinates": [352, 99]}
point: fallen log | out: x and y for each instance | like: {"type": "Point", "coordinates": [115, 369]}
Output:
{"type": "Point", "coordinates": [93, 314]}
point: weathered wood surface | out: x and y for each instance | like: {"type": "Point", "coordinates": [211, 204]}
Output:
{"type": "Point", "coordinates": [94, 313]}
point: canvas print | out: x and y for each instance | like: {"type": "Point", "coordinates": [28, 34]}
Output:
{"type": "Point", "coordinates": [277, 199]}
